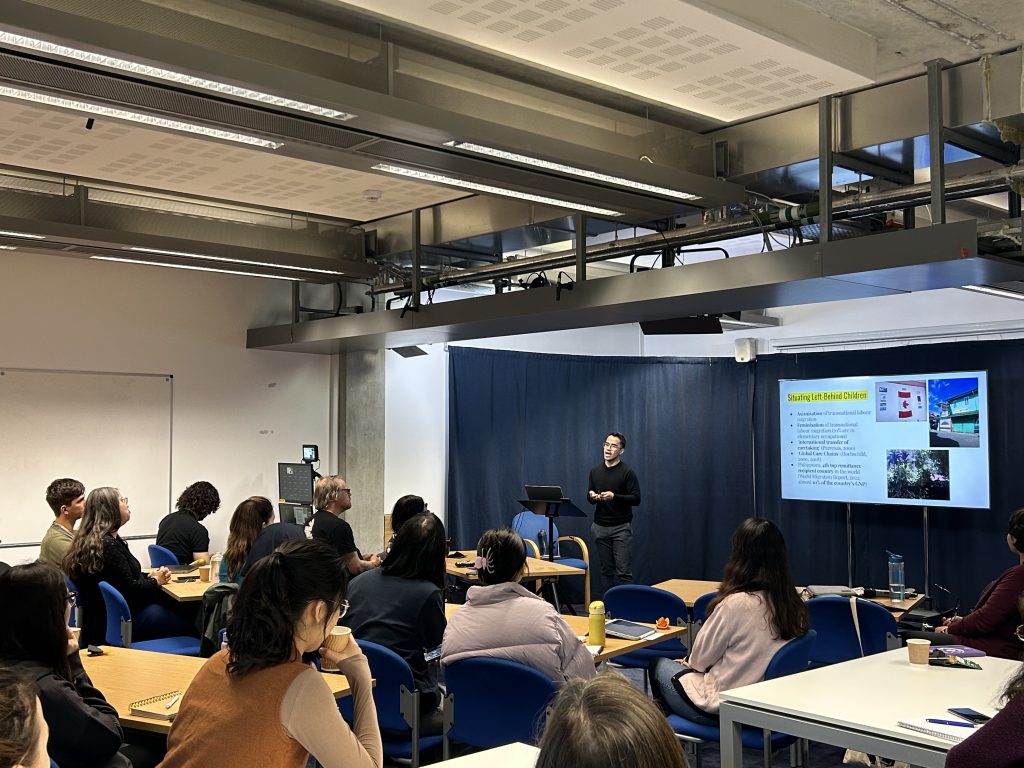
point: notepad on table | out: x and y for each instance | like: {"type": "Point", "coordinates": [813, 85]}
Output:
{"type": "Point", "coordinates": [162, 707]}
{"type": "Point", "coordinates": [953, 733]}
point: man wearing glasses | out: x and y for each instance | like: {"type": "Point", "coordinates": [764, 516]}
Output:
{"type": "Point", "coordinates": [332, 498]}
{"type": "Point", "coordinates": [614, 490]}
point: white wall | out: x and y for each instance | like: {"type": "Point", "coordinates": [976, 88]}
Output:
{"type": "Point", "coordinates": [416, 389]}
{"type": "Point", "coordinates": [237, 412]}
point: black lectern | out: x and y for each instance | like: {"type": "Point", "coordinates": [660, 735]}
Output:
{"type": "Point", "coordinates": [552, 508]}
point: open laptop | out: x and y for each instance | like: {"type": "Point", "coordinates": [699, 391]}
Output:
{"type": "Point", "coordinates": [543, 492]}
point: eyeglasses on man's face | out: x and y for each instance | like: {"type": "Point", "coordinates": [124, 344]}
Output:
{"type": "Point", "coordinates": [1019, 632]}
{"type": "Point", "coordinates": [72, 599]}
{"type": "Point", "coordinates": [616, 446]}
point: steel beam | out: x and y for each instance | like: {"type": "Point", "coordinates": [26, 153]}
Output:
{"type": "Point", "coordinates": [825, 146]}
{"type": "Point", "coordinates": [936, 139]}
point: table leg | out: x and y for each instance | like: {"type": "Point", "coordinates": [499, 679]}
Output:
{"type": "Point", "coordinates": [732, 739]}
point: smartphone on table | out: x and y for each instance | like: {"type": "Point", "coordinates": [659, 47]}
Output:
{"type": "Point", "coordinates": [970, 715]}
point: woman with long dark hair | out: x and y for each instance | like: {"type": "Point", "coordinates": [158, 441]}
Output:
{"type": "Point", "coordinates": [405, 509]}
{"type": "Point", "coordinates": [1000, 744]}
{"type": "Point", "coordinates": [399, 606]}
{"type": "Point", "coordinates": [257, 702]}
{"type": "Point", "coordinates": [504, 620]}
{"type": "Point", "coordinates": [756, 612]}
{"type": "Point", "coordinates": [36, 605]}
{"type": "Point", "coordinates": [97, 554]}
{"type": "Point", "coordinates": [23, 729]}
{"type": "Point", "coordinates": [249, 518]}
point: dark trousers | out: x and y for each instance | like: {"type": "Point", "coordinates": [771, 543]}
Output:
{"type": "Point", "coordinates": [615, 549]}
{"type": "Point", "coordinates": [670, 699]}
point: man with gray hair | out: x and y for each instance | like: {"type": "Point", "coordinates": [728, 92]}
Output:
{"type": "Point", "coordinates": [332, 498]}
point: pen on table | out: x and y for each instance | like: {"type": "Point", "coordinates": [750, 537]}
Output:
{"type": "Point", "coordinates": [172, 702]}
{"type": "Point", "coordinates": [948, 722]}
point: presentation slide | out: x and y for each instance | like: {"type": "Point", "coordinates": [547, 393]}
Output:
{"type": "Point", "coordinates": [919, 439]}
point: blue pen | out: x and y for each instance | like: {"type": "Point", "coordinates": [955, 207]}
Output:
{"type": "Point", "coordinates": [948, 722]}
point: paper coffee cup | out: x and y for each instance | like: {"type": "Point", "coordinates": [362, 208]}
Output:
{"type": "Point", "coordinates": [918, 650]}
{"type": "Point", "coordinates": [204, 573]}
{"type": "Point", "coordinates": [337, 642]}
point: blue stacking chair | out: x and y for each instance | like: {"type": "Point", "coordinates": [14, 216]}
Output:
{"type": "Point", "coordinates": [700, 608]}
{"type": "Point", "coordinates": [161, 556]}
{"type": "Point", "coordinates": [527, 524]}
{"type": "Point", "coordinates": [73, 621]}
{"type": "Point", "coordinates": [398, 705]}
{"type": "Point", "coordinates": [635, 602]}
{"type": "Point", "coordinates": [832, 618]}
{"type": "Point", "coordinates": [791, 658]}
{"type": "Point", "coordinates": [492, 702]}
{"type": "Point", "coordinates": [119, 628]}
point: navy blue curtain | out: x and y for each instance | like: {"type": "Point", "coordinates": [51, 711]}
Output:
{"type": "Point", "coordinates": [698, 433]}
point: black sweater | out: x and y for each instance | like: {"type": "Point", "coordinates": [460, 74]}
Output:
{"type": "Point", "coordinates": [84, 729]}
{"type": "Point", "coordinates": [620, 480]}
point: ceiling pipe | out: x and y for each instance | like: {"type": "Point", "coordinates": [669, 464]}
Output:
{"type": "Point", "coordinates": [974, 185]}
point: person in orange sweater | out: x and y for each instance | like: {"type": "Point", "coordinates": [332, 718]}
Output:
{"type": "Point", "coordinates": [257, 703]}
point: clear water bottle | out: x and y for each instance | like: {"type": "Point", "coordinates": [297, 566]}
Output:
{"type": "Point", "coordinates": [897, 585]}
{"type": "Point", "coordinates": [215, 561]}
{"type": "Point", "coordinates": [223, 639]}
{"type": "Point", "coordinates": [542, 541]}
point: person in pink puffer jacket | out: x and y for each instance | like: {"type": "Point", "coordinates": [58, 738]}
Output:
{"type": "Point", "coordinates": [504, 620]}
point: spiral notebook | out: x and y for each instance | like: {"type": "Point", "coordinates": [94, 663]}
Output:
{"type": "Point", "coordinates": [953, 733]}
{"type": "Point", "coordinates": [162, 707]}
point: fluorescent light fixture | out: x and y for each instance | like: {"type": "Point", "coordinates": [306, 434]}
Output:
{"type": "Point", "coordinates": [536, 162]}
{"type": "Point", "coordinates": [97, 110]}
{"type": "Point", "coordinates": [191, 266]}
{"type": "Point", "coordinates": [988, 289]}
{"type": "Point", "coordinates": [436, 178]}
{"type": "Point", "coordinates": [206, 257]}
{"type": "Point", "coordinates": [136, 68]}
{"type": "Point", "coordinates": [8, 247]}
{"type": "Point", "coordinates": [26, 235]}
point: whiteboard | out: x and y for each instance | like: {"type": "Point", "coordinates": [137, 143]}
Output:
{"type": "Point", "coordinates": [101, 428]}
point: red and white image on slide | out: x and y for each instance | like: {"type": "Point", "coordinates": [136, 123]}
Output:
{"type": "Point", "coordinates": [901, 401]}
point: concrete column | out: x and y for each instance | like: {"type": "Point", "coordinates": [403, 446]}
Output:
{"type": "Point", "coordinates": [362, 445]}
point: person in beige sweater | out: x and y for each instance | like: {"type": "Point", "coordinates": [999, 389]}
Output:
{"type": "Point", "coordinates": [756, 612]}
{"type": "Point", "coordinates": [258, 703]}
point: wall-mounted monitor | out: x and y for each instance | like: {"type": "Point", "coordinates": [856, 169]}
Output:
{"type": "Point", "coordinates": [915, 439]}
{"type": "Point", "coordinates": [295, 483]}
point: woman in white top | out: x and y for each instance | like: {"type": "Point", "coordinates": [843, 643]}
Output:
{"type": "Point", "coordinates": [755, 613]}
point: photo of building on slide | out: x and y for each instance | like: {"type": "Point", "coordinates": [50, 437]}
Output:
{"type": "Point", "coordinates": [953, 415]}
{"type": "Point", "coordinates": [900, 401]}
{"type": "Point", "coordinates": [917, 475]}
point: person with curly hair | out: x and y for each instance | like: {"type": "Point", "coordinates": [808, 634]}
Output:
{"type": "Point", "coordinates": [181, 532]}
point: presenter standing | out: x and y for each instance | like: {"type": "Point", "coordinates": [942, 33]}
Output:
{"type": "Point", "coordinates": [614, 490]}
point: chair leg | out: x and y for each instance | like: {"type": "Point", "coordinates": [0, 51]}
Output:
{"type": "Point", "coordinates": [647, 684]}
{"type": "Point", "coordinates": [766, 736]}
{"type": "Point", "coordinates": [586, 590]}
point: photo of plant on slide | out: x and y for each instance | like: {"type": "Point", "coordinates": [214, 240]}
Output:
{"type": "Point", "coordinates": [954, 418]}
{"type": "Point", "coordinates": [914, 474]}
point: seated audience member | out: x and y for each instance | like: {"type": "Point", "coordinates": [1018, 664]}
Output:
{"type": "Point", "coordinates": [66, 498]}
{"type": "Point", "coordinates": [404, 510]}
{"type": "Point", "coordinates": [990, 625]}
{"type": "Point", "coordinates": [1000, 744]}
{"type": "Point", "coordinates": [36, 641]}
{"type": "Point", "coordinates": [755, 613]}
{"type": "Point", "coordinates": [269, 539]}
{"type": "Point", "coordinates": [607, 722]}
{"type": "Point", "coordinates": [399, 606]}
{"type": "Point", "coordinates": [23, 729]}
{"type": "Point", "coordinates": [249, 518]}
{"type": "Point", "coordinates": [181, 532]}
{"type": "Point", "coordinates": [332, 499]}
{"type": "Point", "coordinates": [97, 554]}
{"type": "Point", "coordinates": [257, 703]}
{"type": "Point", "coordinates": [505, 620]}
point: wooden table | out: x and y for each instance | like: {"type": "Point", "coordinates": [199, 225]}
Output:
{"type": "Point", "coordinates": [184, 591]}
{"type": "Point", "coordinates": [515, 755]}
{"type": "Point", "coordinates": [614, 646]}
{"type": "Point", "coordinates": [690, 589]}
{"type": "Point", "coordinates": [125, 675]}
{"type": "Point", "coordinates": [535, 569]}
{"type": "Point", "coordinates": [857, 705]}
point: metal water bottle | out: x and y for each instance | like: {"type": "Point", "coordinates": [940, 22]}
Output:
{"type": "Point", "coordinates": [897, 586]}
{"type": "Point", "coordinates": [542, 541]}
{"type": "Point", "coordinates": [596, 633]}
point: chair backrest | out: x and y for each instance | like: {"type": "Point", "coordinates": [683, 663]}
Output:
{"type": "Point", "coordinates": [72, 621]}
{"type": "Point", "coordinates": [700, 606]}
{"type": "Point", "coordinates": [391, 672]}
{"type": "Point", "coordinates": [793, 657]}
{"type": "Point", "coordinates": [496, 702]}
{"type": "Point", "coordinates": [161, 556]}
{"type": "Point", "coordinates": [527, 524]}
{"type": "Point", "coordinates": [636, 602]}
{"type": "Point", "coordinates": [118, 615]}
{"type": "Point", "coordinates": [837, 638]}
